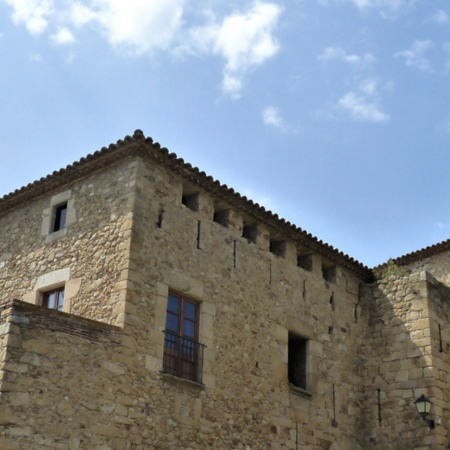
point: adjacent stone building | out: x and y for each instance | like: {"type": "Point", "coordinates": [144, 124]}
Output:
{"type": "Point", "coordinates": [143, 305]}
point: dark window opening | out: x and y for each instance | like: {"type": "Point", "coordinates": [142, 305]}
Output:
{"type": "Point", "coordinates": [183, 354]}
{"type": "Point", "coordinates": [278, 247]}
{"type": "Point", "coordinates": [329, 274]}
{"type": "Point", "coordinates": [305, 262]}
{"type": "Point", "coordinates": [60, 217]}
{"type": "Point", "coordinates": [297, 352]}
{"type": "Point", "coordinates": [222, 217]}
{"type": "Point", "coordinates": [250, 232]}
{"type": "Point", "coordinates": [54, 299]}
{"type": "Point", "coordinates": [190, 201]}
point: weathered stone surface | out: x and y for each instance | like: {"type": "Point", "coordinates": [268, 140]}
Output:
{"type": "Point", "coordinates": [92, 379]}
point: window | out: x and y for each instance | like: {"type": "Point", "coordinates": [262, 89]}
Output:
{"type": "Point", "coordinates": [60, 217]}
{"type": "Point", "coordinates": [222, 217]}
{"type": "Point", "coordinates": [305, 262]}
{"type": "Point", "coordinates": [297, 352]}
{"type": "Point", "coordinates": [250, 232]}
{"type": "Point", "coordinates": [54, 299]}
{"type": "Point", "coordinates": [183, 354]}
{"type": "Point", "coordinates": [329, 274]}
{"type": "Point", "coordinates": [278, 247]}
{"type": "Point", "coordinates": [190, 200]}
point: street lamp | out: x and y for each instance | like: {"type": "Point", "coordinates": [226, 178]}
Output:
{"type": "Point", "coordinates": [423, 406]}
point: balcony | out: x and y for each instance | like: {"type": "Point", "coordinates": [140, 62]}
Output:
{"type": "Point", "coordinates": [183, 357]}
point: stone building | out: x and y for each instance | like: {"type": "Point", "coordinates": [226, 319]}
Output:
{"type": "Point", "coordinates": [143, 305]}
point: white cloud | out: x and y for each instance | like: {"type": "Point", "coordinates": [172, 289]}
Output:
{"type": "Point", "coordinates": [63, 37]}
{"type": "Point", "coordinates": [34, 14]}
{"type": "Point", "coordinates": [271, 116]}
{"type": "Point", "coordinates": [80, 14]}
{"type": "Point", "coordinates": [338, 53]}
{"type": "Point", "coordinates": [243, 39]}
{"type": "Point", "coordinates": [440, 17]}
{"type": "Point", "coordinates": [139, 25]}
{"type": "Point", "coordinates": [416, 56]}
{"type": "Point", "coordinates": [362, 104]}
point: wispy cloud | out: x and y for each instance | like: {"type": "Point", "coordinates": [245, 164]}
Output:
{"type": "Point", "coordinates": [34, 14]}
{"type": "Point", "coordinates": [387, 9]}
{"type": "Point", "coordinates": [271, 116]}
{"type": "Point", "coordinates": [416, 57]}
{"type": "Point", "coordinates": [378, 3]}
{"type": "Point", "coordinates": [136, 26]}
{"type": "Point", "coordinates": [440, 17]}
{"type": "Point", "coordinates": [363, 103]}
{"type": "Point", "coordinates": [243, 39]}
{"type": "Point", "coordinates": [63, 37]}
{"type": "Point", "coordinates": [339, 54]}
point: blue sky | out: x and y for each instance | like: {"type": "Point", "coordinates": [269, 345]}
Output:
{"type": "Point", "coordinates": [334, 114]}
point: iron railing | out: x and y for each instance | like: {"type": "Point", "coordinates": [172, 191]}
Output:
{"type": "Point", "coordinates": [183, 357]}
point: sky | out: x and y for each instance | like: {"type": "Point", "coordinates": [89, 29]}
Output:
{"type": "Point", "coordinates": [333, 114]}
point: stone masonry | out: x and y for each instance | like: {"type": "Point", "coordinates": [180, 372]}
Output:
{"type": "Point", "coordinates": [141, 227]}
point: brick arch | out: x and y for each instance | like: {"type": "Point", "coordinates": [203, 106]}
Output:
{"type": "Point", "coordinates": [345, 443]}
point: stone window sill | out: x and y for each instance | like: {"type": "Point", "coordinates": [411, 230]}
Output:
{"type": "Point", "coordinates": [300, 391]}
{"type": "Point", "coordinates": [54, 236]}
{"type": "Point", "coordinates": [182, 382]}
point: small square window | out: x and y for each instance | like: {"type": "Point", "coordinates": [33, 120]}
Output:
{"type": "Point", "coordinates": [190, 200]}
{"type": "Point", "coordinates": [222, 217]}
{"type": "Point", "coordinates": [329, 274]}
{"type": "Point", "coordinates": [60, 217]}
{"type": "Point", "coordinates": [54, 299]}
{"type": "Point", "coordinates": [278, 248]}
{"type": "Point", "coordinates": [305, 262]}
{"type": "Point", "coordinates": [297, 361]}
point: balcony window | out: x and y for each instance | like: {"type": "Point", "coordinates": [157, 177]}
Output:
{"type": "Point", "coordinates": [183, 354]}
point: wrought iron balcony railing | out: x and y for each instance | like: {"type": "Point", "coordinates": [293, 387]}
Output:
{"type": "Point", "coordinates": [183, 357]}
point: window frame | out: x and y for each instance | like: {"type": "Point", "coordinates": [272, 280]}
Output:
{"type": "Point", "coordinates": [184, 299]}
{"type": "Point", "coordinates": [59, 292]}
{"type": "Point", "coordinates": [183, 353]}
{"type": "Point", "coordinates": [298, 361]}
{"type": "Point", "coordinates": [60, 217]}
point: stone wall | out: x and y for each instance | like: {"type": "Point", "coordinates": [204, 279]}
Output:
{"type": "Point", "coordinates": [402, 362]}
{"type": "Point", "coordinates": [250, 299]}
{"type": "Point", "coordinates": [438, 265]}
{"type": "Point", "coordinates": [64, 384]}
{"type": "Point", "coordinates": [91, 255]}
{"type": "Point", "coordinates": [138, 229]}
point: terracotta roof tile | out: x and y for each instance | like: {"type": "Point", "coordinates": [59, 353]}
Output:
{"type": "Point", "coordinates": [139, 145]}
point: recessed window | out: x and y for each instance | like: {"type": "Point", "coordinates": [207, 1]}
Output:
{"type": "Point", "coordinates": [60, 217]}
{"type": "Point", "coordinates": [190, 201]}
{"type": "Point", "coordinates": [183, 354]}
{"type": "Point", "coordinates": [222, 217]}
{"type": "Point", "coordinates": [250, 232]}
{"type": "Point", "coordinates": [278, 247]}
{"type": "Point", "coordinates": [329, 274]}
{"type": "Point", "coordinates": [54, 299]}
{"type": "Point", "coordinates": [297, 361]}
{"type": "Point", "coordinates": [305, 262]}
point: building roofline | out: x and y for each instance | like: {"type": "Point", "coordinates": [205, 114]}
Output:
{"type": "Point", "coordinates": [421, 254]}
{"type": "Point", "coordinates": [145, 147]}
